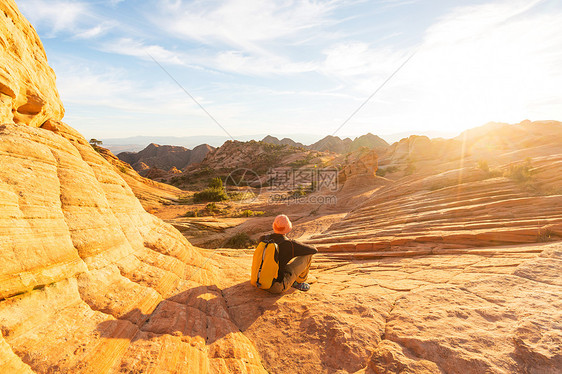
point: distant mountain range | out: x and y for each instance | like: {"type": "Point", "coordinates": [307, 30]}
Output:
{"type": "Point", "coordinates": [168, 157]}
{"type": "Point", "coordinates": [165, 157]}
{"type": "Point", "coordinates": [138, 143]}
{"type": "Point", "coordinates": [335, 144]}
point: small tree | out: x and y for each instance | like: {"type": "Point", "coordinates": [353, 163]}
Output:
{"type": "Point", "coordinates": [95, 142]}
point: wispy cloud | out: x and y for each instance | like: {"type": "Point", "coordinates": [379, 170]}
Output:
{"type": "Point", "coordinates": [498, 61]}
{"type": "Point", "coordinates": [57, 15]}
{"type": "Point", "coordinates": [76, 18]}
{"type": "Point", "coordinates": [224, 61]}
{"type": "Point", "coordinates": [137, 48]}
{"type": "Point", "coordinates": [244, 25]}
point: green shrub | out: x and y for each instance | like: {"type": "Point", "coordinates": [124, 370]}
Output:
{"type": "Point", "coordinates": [388, 169]}
{"type": "Point", "coordinates": [299, 192]}
{"type": "Point", "coordinates": [240, 240]}
{"type": "Point", "coordinates": [241, 195]}
{"type": "Point", "coordinates": [210, 194]}
{"type": "Point", "coordinates": [216, 183]}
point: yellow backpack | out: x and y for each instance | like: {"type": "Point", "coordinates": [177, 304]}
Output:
{"type": "Point", "coordinates": [265, 264]}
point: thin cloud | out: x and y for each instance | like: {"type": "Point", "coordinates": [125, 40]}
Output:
{"type": "Point", "coordinates": [241, 23]}
{"type": "Point", "coordinates": [496, 61]}
{"type": "Point", "coordinates": [75, 18]}
{"type": "Point", "coordinates": [225, 61]}
{"type": "Point", "coordinates": [56, 16]}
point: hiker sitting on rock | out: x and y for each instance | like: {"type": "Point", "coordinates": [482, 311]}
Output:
{"type": "Point", "coordinates": [294, 273]}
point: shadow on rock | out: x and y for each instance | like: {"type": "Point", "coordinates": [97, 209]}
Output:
{"type": "Point", "coordinates": [200, 313]}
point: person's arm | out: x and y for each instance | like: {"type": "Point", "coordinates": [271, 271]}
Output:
{"type": "Point", "coordinates": [303, 249]}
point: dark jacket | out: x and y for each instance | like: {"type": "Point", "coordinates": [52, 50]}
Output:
{"type": "Point", "coordinates": [287, 250]}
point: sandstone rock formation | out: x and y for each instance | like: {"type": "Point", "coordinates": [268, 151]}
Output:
{"type": "Point", "coordinates": [28, 93]}
{"type": "Point", "coordinates": [332, 143]}
{"type": "Point", "coordinates": [90, 282]}
{"type": "Point", "coordinates": [448, 204]}
{"type": "Point", "coordinates": [494, 311]}
{"type": "Point", "coordinates": [150, 193]}
{"type": "Point", "coordinates": [165, 157]}
{"type": "Point", "coordinates": [361, 164]}
{"type": "Point", "coordinates": [258, 156]}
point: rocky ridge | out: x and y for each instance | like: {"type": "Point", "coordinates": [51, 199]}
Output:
{"type": "Point", "coordinates": [165, 157]}
{"type": "Point", "coordinates": [335, 144]}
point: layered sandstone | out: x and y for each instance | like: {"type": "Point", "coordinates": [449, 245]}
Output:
{"type": "Point", "coordinates": [28, 93]}
{"type": "Point", "coordinates": [503, 186]}
{"type": "Point", "coordinates": [150, 193]}
{"type": "Point", "coordinates": [492, 311]}
{"type": "Point", "coordinates": [89, 281]}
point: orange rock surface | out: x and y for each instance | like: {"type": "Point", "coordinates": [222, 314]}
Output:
{"type": "Point", "coordinates": [89, 281]}
{"type": "Point", "coordinates": [510, 192]}
{"type": "Point", "coordinates": [92, 283]}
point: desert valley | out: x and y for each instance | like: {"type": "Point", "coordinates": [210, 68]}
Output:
{"type": "Point", "coordinates": [435, 255]}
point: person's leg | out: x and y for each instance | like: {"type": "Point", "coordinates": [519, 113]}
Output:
{"type": "Point", "coordinates": [277, 287]}
{"type": "Point", "coordinates": [298, 269]}
{"type": "Point", "coordinates": [295, 270]}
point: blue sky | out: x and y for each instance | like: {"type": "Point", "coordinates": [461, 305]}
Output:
{"type": "Point", "coordinates": [300, 67]}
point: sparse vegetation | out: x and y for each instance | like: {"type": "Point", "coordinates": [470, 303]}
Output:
{"type": "Point", "coordinates": [249, 213]}
{"type": "Point", "coordinates": [210, 194]}
{"type": "Point", "coordinates": [96, 144]}
{"type": "Point", "coordinates": [488, 172]}
{"type": "Point", "coordinates": [302, 162]}
{"type": "Point", "coordinates": [241, 195]}
{"type": "Point", "coordinates": [300, 191]}
{"type": "Point", "coordinates": [122, 169]}
{"type": "Point", "coordinates": [216, 183]}
{"type": "Point", "coordinates": [192, 178]}
{"type": "Point", "coordinates": [239, 241]}
{"type": "Point", "coordinates": [191, 213]}
{"type": "Point", "coordinates": [443, 184]}
{"type": "Point", "coordinates": [545, 236]}
{"type": "Point", "coordinates": [521, 173]}
{"type": "Point", "coordinates": [483, 165]}
{"type": "Point", "coordinates": [214, 192]}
